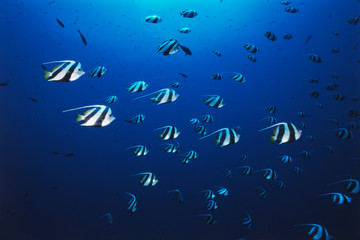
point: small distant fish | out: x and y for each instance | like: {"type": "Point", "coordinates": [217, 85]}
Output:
{"type": "Point", "coordinates": [301, 114]}
{"type": "Point", "coordinates": [82, 38]}
{"type": "Point", "coordinates": [66, 71]}
{"type": "Point", "coordinates": [305, 154]}
{"type": "Point", "coordinates": [149, 179]}
{"type": "Point", "coordinates": [207, 219]}
{"type": "Point", "coordinates": [352, 113]}
{"type": "Point", "coordinates": [56, 153]}
{"type": "Point", "coordinates": [188, 13]}
{"type": "Point", "coordinates": [132, 205]}
{"type": "Point", "coordinates": [314, 94]}
{"type": "Point", "coordinates": [111, 99]}
{"type": "Point", "coordinates": [33, 99]}
{"type": "Point", "coordinates": [354, 20]}
{"type": "Point", "coordinates": [335, 50]}
{"type": "Point", "coordinates": [228, 172]}
{"type": "Point", "coordinates": [165, 95]}
{"type": "Point", "coordinates": [177, 196]}
{"type": "Point", "coordinates": [286, 159]}
{"type": "Point", "coordinates": [184, 30]}
{"type": "Point", "coordinates": [317, 232]}
{"type": "Point", "coordinates": [271, 36]}
{"type": "Point", "coordinates": [3, 84]}
{"type": "Point", "coordinates": [214, 101]}
{"type": "Point", "coordinates": [285, 3]}
{"type": "Point", "coordinates": [153, 19]}
{"type": "Point", "coordinates": [108, 218]}
{"type": "Point", "coordinates": [247, 221]}
{"type": "Point", "coordinates": [97, 116]}
{"type": "Point", "coordinates": [314, 80]}
{"type": "Point", "coordinates": [140, 150]}
{"type": "Point", "coordinates": [252, 58]}
{"type": "Point", "coordinates": [280, 184]}
{"type": "Point", "coordinates": [246, 170]}
{"type": "Point", "coordinates": [171, 46]}
{"type": "Point", "coordinates": [97, 71]}
{"type": "Point", "coordinates": [261, 192]}
{"type": "Point", "coordinates": [60, 23]}
{"type": "Point", "coordinates": [238, 77]}
{"type": "Point", "coordinates": [188, 156]}
{"type": "Point", "coordinates": [200, 130]}
{"type": "Point", "coordinates": [194, 121]}
{"type": "Point", "coordinates": [171, 148]}
{"type": "Point", "coordinates": [211, 205]}
{"type": "Point", "coordinates": [69, 155]}
{"type": "Point", "coordinates": [268, 174]}
{"type": "Point", "coordinates": [137, 119]}
{"type": "Point", "coordinates": [225, 137]}
{"type": "Point", "coordinates": [354, 125]}
{"type": "Point", "coordinates": [284, 133]}
{"type": "Point", "coordinates": [244, 157]}
{"type": "Point", "coordinates": [207, 118]}
{"type": "Point", "coordinates": [339, 97]}
{"type": "Point", "coordinates": [288, 36]}
{"type": "Point", "coordinates": [308, 39]}
{"type": "Point", "coordinates": [271, 109]}
{"type": "Point", "coordinates": [208, 194]}
{"type": "Point", "coordinates": [329, 149]}
{"type": "Point", "coordinates": [338, 198]}
{"type": "Point", "coordinates": [315, 58]}
{"type": "Point", "coordinates": [310, 138]}
{"type": "Point", "coordinates": [336, 33]}
{"type": "Point", "coordinates": [302, 125]}
{"type": "Point", "coordinates": [217, 53]}
{"type": "Point", "coordinates": [175, 85]}
{"type": "Point", "coordinates": [334, 121]}
{"type": "Point", "coordinates": [344, 133]}
{"type": "Point", "coordinates": [137, 87]}
{"type": "Point", "coordinates": [216, 76]}
{"type": "Point", "coordinates": [222, 191]}
{"type": "Point", "coordinates": [270, 120]}
{"type": "Point", "coordinates": [291, 10]}
{"type": "Point", "coordinates": [169, 132]}
{"type": "Point", "coordinates": [297, 170]}
{"type": "Point", "coordinates": [251, 48]}
{"type": "Point", "coordinates": [183, 75]}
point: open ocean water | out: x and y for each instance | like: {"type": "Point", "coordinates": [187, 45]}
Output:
{"type": "Point", "coordinates": [292, 63]}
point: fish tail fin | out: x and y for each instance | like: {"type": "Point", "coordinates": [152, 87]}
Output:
{"type": "Point", "coordinates": [46, 74]}
{"type": "Point", "coordinates": [272, 139]}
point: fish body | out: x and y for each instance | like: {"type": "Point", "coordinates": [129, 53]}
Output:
{"type": "Point", "coordinates": [97, 71]}
{"type": "Point", "coordinates": [153, 19]}
{"type": "Point", "coordinates": [65, 71]}
{"type": "Point", "coordinates": [96, 116]}
{"type": "Point", "coordinates": [188, 13]}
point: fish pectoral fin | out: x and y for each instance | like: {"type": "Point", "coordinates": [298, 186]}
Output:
{"type": "Point", "coordinates": [272, 139]}
{"type": "Point", "coordinates": [153, 99]}
{"type": "Point", "coordinates": [46, 74]}
{"type": "Point", "coordinates": [55, 67]}
{"type": "Point", "coordinates": [79, 118]}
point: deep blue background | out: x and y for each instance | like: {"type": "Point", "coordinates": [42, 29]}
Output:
{"type": "Point", "coordinates": [93, 181]}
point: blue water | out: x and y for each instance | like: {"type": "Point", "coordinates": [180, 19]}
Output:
{"type": "Point", "coordinates": [47, 196]}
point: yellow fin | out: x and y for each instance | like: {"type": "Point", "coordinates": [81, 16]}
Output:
{"type": "Point", "coordinates": [79, 118]}
{"type": "Point", "coordinates": [53, 69]}
{"type": "Point", "coordinates": [46, 74]}
{"type": "Point", "coordinates": [87, 112]}
{"type": "Point", "coordinates": [272, 139]}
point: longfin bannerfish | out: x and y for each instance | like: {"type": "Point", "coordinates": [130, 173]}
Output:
{"type": "Point", "coordinates": [268, 173]}
{"type": "Point", "coordinates": [261, 192]}
{"type": "Point", "coordinates": [175, 85]}
{"type": "Point", "coordinates": [82, 38]}
{"type": "Point", "coordinates": [177, 196]}
{"type": "Point", "coordinates": [317, 232]}
{"type": "Point", "coordinates": [208, 219]}
{"type": "Point", "coordinates": [207, 118]}
{"type": "Point", "coordinates": [222, 191]}
{"type": "Point", "coordinates": [271, 36]}
{"type": "Point", "coordinates": [152, 19]}
{"type": "Point", "coordinates": [97, 71]}
{"type": "Point", "coordinates": [288, 36]}
{"type": "Point", "coordinates": [137, 119]}
{"type": "Point", "coordinates": [246, 170]}
{"type": "Point", "coordinates": [271, 109]}
{"type": "Point", "coordinates": [194, 121]}
{"type": "Point", "coordinates": [137, 87]}
{"type": "Point", "coordinates": [189, 13]}
{"type": "Point", "coordinates": [111, 99]}
{"type": "Point", "coordinates": [228, 172]}
{"type": "Point", "coordinates": [132, 205]}
{"type": "Point", "coordinates": [286, 159]}
{"type": "Point", "coordinates": [200, 130]}
{"type": "Point", "coordinates": [285, 3]}
{"type": "Point", "coordinates": [108, 218]}
{"type": "Point", "coordinates": [211, 205]}
{"type": "Point", "coordinates": [171, 46]}
{"type": "Point", "coordinates": [214, 101]}
{"type": "Point", "coordinates": [252, 58]}
{"type": "Point", "coordinates": [225, 137]}
{"type": "Point", "coordinates": [284, 133]}
{"type": "Point", "coordinates": [172, 148]}
{"type": "Point", "coordinates": [280, 184]}
{"type": "Point", "coordinates": [305, 154]}
{"type": "Point", "coordinates": [165, 95]}
{"type": "Point", "coordinates": [188, 156]}
{"type": "Point", "coordinates": [65, 71]}
{"type": "Point", "coordinates": [148, 179]}
{"type": "Point", "coordinates": [217, 53]}
{"type": "Point", "coordinates": [247, 221]}
{"type": "Point", "coordinates": [297, 170]}
{"type": "Point", "coordinates": [251, 48]}
{"type": "Point", "coordinates": [353, 186]}
{"type": "Point", "coordinates": [97, 116]}
{"type": "Point", "coordinates": [217, 76]}
{"type": "Point", "coordinates": [291, 10]}
{"type": "Point", "coordinates": [314, 94]}
{"type": "Point", "coordinates": [270, 120]}
{"type": "Point", "coordinates": [184, 30]}
{"type": "Point", "coordinates": [208, 194]}
{"type": "Point", "coordinates": [344, 133]}
{"type": "Point", "coordinates": [353, 20]}
{"type": "Point", "coordinates": [238, 77]}
{"type": "Point", "coordinates": [338, 198]}
{"type": "Point", "coordinates": [169, 132]}
{"type": "Point", "coordinates": [140, 150]}
{"type": "Point", "coordinates": [315, 58]}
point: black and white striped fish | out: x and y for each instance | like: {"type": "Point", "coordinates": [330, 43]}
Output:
{"type": "Point", "coordinates": [285, 3]}
{"type": "Point", "coordinates": [353, 20]}
{"type": "Point", "coordinates": [171, 46]}
{"type": "Point", "coordinates": [352, 185]}
{"type": "Point", "coordinates": [228, 172]}
{"type": "Point", "coordinates": [188, 156]}
{"type": "Point", "coordinates": [188, 13]}
{"type": "Point", "coordinates": [65, 71]}
{"type": "Point", "coordinates": [297, 170]}
{"type": "Point", "coordinates": [352, 113]}
{"type": "Point", "coordinates": [317, 232]}
{"type": "Point", "coordinates": [314, 80]}
{"type": "Point", "coordinates": [329, 149]}
{"type": "Point", "coordinates": [172, 148]}
{"type": "Point", "coordinates": [140, 150]}
{"type": "Point", "coordinates": [207, 118]}
{"type": "Point", "coordinates": [334, 121]}
{"type": "Point", "coordinates": [194, 121]}
{"type": "Point", "coordinates": [270, 35]}
{"type": "Point", "coordinates": [339, 97]}
{"type": "Point", "coordinates": [184, 30]}
{"type": "Point", "coordinates": [288, 36]}
{"type": "Point", "coordinates": [177, 196]}
{"type": "Point", "coordinates": [315, 58]}
{"type": "Point", "coordinates": [286, 159]}
{"type": "Point", "coordinates": [97, 116]}
{"type": "Point", "coordinates": [216, 76]}
{"type": "Point", "coordinates": [280, 184]}
{"type": "Point", "coordinates": [344, 133]}
{"type": "Point", "coordinates": [247, 221]}
{"type": "Point", "coordinates": [270, 120]}
{"type": "Point", "coordinates": [252, 58]}
{"type": "Point", "coordinates": [148, 179]}
{"type": "Point", "coordinates": [217, 53]}
{"type": "Point", "coordinates": [251, 48]}
{"type": "Point", "coordinates": [175, 85]}
{"type": "Point", "coordinates": [214, 101]}
{"type": "Point", "coordinates": [271, 109]}
{"type": "Point", "coordinates": [310, 138]}
{"type": "Point", "coordinates": [238, 77]}
{"type": "Point", "coordinates": [284, 133]}
{"type": "Point", "coordinates": [200, 130]}
{"type": "Point", "coordinates": [338, 198]}
{"type": "Point", "coordinates": [269, 174]}
{"type": "Point", "coordinates": [111, 99]}
{"type": "Point", "coordinates": [165, 95]}
{"type": "Point", "coordinates": [302, 125]}
{"type": "Point", "coordinates": [211, 205]}
{"type": "Point", "coordinates": [222, 191]}
{"type": "Point", "coordinates": [314, 94]}
{"type": "Point", "coordinates": [208, 219]}
{"type": "Point", "coordinates": [137, 87]}
{"type": "Point", "coordinates": [301, 114]}
{"type": "Point", "coordinates": [246, 170]}
{"type": "Point", "coordinates": [152, 19]}
{"type": "Point", "coordinates": [137, 119]}
{"type": "Point", "coordinates": [169, 132]}
{"type": "Point", "coordinates": [291, 9]}
{"type": "Point", "coordinates": [97, 71]}
{"type": "Point", "coordinates": [108, 218]}
{"type": "Point", "coordinates": [225, 137]}
{"type": "Point", "coordinates": [208, 194]}
{"type": "Point", "coordinates": [261, 192]}
{"type": "Point", "coordinates": [305, 154]}
{"type": "Point", "coordinates": [132, 204]}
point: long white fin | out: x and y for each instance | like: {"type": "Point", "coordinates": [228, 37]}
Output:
{"type": "Point", "coordinates": [135, 146]}
{"type": "Point", "coordinates": [150, 93]}
{"type": "Point", "coordinates": [62, 61]}
{"type": "Point", "coordinates": [222, 129]}
{"type": "Point", "coordinates": [277, 124]}
{"type": "Point", "coordinates": [131, 195]}
{"type": "Point", "coordinates": [161, 128]}
{"type": "Point", "coordinates": [347, 180]}
{"type": "Point", "coordinates": [141, 173]}
{"type": "Point", "coordinates": [90, 106]}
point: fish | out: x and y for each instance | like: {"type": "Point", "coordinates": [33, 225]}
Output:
{"type": "Point", "coordinates": [171, 46]}
{"type": "Point", "coordinates": [344, 133]}
{"type": "Point", "coordinates": [60, 23]}
{"type": "Point", "coordinates": [217, 53]}
{"type": "Point", "coordinates": [137, 119]}
{"type": "Point", "coordinates": [314, 94]}
{"type": "Point", "coordinates": [207, 118]}
{"type": "Point", "coordinates": [82, 38]}
{"type": "Point", "coordinates": [184, 30]}
{"type": "Point", "coordinates": [334, 121]}
{"type": "Point", "coordinates": [214, 101]}
{"type": "Point", "coordinates": [188, 13]}
{"type": "Point", "coordinates": [208, 219]}
{"type": "Point", "coordinates": [66, 71]}
{"type": "Point", "coordinates": [251, 48]}
{"type": "Point", "coordinates": [216, 76]}
{"type": "Point", "coordinates": [308, 39]}
{"type": "Point", "coordinates": [111, 99]}
{"type": "Point", "coordinates": [284, 133]}
{"type": "Point", "coordinates": [238, 77]}
{"type": "Point", "coordinates": [3, 84]}
{"type": "Point", "coordinates": [354, 125]}
{"type": "Point", "coordinates": [175, 85]}
{"type": "Point", "coordinates": [153, 19]}
{"type": "Point", "coordinates": [271, 109]}
{"type": "Point", "coordinates": [302, 125]}
{"type": "Point", "coordinates": [140, 150]}
{"type": "Point", "coordinates": [286, 159]}
{"type": "Point", "coordinates": [336, 51]}
{"type": "Point", "coordinates": [228, 172]}
{"type": "Point", "coordinates": [171, 148]}
{"type": "Point", "coordinates": [280, 184]}
{"type": "Point", "coordinates": [329, 149]}
{"type": "Point", "coordinates": [97, 71]}
{"type": "Point", "coordinates": [291, 10]}
{"type": "Point", "coordinates": [149, 179]}
{"type": "Point", "coordinates": [314, 80]}
{"type": "Point", "coordinates": [315, 58]}
{"type": "Point", "coordinates": [339, 97]}
{"type": "Point", "coordinates": [211, 205]}
{"type": "Point", "coordinates": [188, 156]}
{"type": "Point", "coordinates": [169, 132]}
{"type": "Point", "coordinates": [310, 138]}
{"type": "Point", "coordinates": [271, 36]}
{"type": "Point", "coordinates": [317, 232]}
{"type": "Point", "coordinates": [296, 170]}
{"type": "Point", "coordinates": [222, 191]}
{"type": "Point", "coordinates": [132, 204]}
{"type": "Point", "coordinates": [33, 99]}
{"type": "Point", "coordinates": [225, 137]}
{"type": "Point", "coordinates": [137, 87]}
{"type": "Point", "coordinates": [200, 130]}
{"type": "Point", "coordinates": [352, 113]}
{"type": "Point", "coordinates": [246, 170]}
{"type": "Point", "coordinates": [177, 196]}
{"type": "Point", "coordinates": [288, 36]}
{"type": "Point", "coordinates": [305, 154]}
{"type": "Point", "coordinates": [194, 121]}
{"type": "Point", "coordinates": [208, 194]}
{"type": "Point", "coordinates": [269, 174]}
{"type": "Point", "coordinates": [247, 221]}
{"type": "Point", "coordinates": [270, 120]}
{"type": "Point", "coordinates": [165, 95]}
{"type": "Point", "coordinates": [183, 75]}
{"type": "Point", "coordinates": [252, 58]}
{"type": "Point", "coordinates": [301, 114]}
{"type": "Point", "coordinates": [69, 155]}
{"type": "Point", "coordinates": [285, 3]}
{"type": "Point", "coordinates": [97, 116]}
{"type": "Point", "coordinates": [108, 218]}
{"type": "Point", "coordinates": [332, 87]}
{"type": "Point", "coordinates": [338, 198]}
{"type": "Point", "coordinates": [354, 20]}
{"type": "Point", "coordinates": [352, 185]}
{"type": "Point", "coordinates": [261, 192]}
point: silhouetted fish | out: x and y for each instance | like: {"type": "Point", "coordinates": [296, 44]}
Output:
{"type": "Point", "coordinates": [82, 38]}
{"type": "Point", "coordinates": [69, 155]}
{"type": "Point", "coordinates": [32, 99]}
{"type": "Point", "coordinates": [60, 23]}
